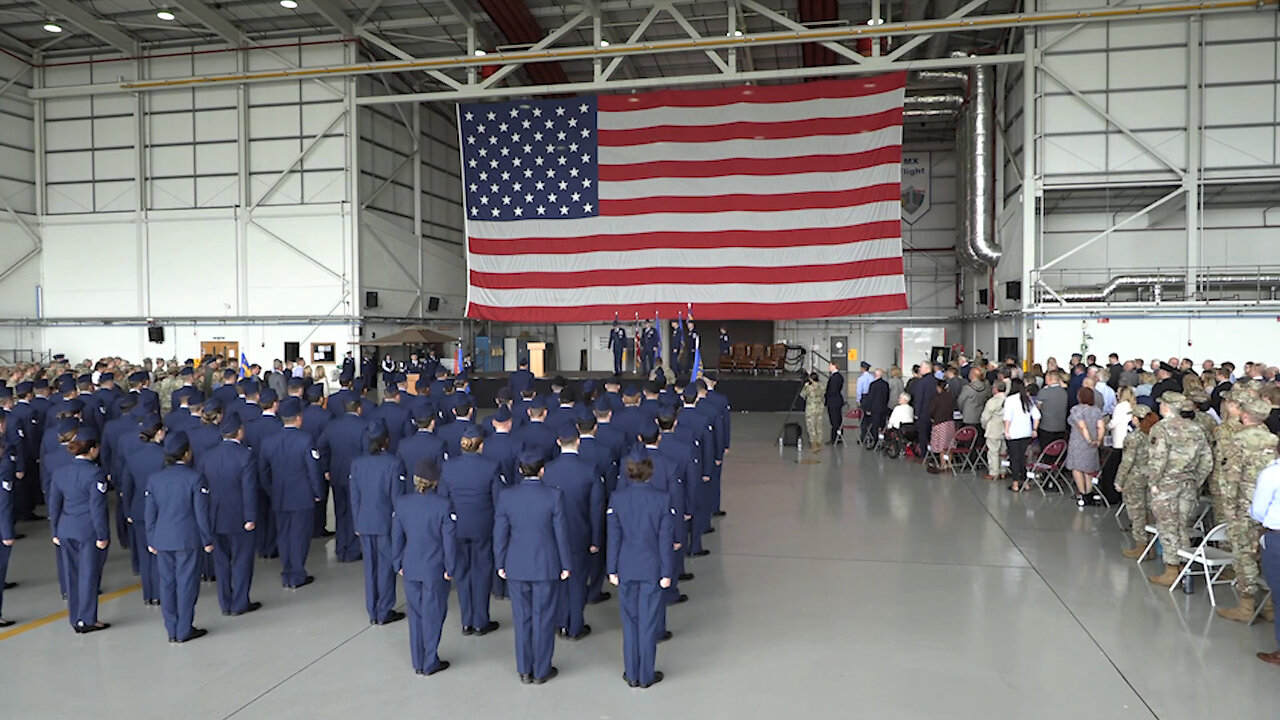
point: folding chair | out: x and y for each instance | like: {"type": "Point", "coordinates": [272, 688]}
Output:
{"type": "Point", "coordinates": [1155, 535]}
{"type": "Point", "coordinates": [1209, 558]}
{"type": "Point", "coordinates": [1047, 466]}
{"type": "Point", "coordinates": [965, 451]}
{"type": "Point", "coordinates": [1196, 527]}
{"type": "Point", "coordinates": [1123, 506]}
{"type": "Point", "coordinates": [1262, 601]}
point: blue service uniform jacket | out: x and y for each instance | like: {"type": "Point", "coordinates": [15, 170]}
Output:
{"type": "Point", "coordinates": [78, 502]}
{"type": "Point", "coordinates": [376, 481]}
{"type": "Point", "coordinates": [231, 474]}
{"type": "Point", "coordinates": [396, 417]}
{"type": "Point", "coordinates": [687, 469]}
{"type": "Point", "coordinates": [642, 527]}
{"type": "Point", "coordinates": [538, 436]}
{"type": "Point", "coordinates": [530, 536]}
{"type": "Point", "coordinates": [7, 484]}
{"type": "Point", "coordinates": [521, 380]}
{"type": "Point", "coordinates": [203, 438]}
{"type": "Point", "coordinates": [290, 472]}
{"type": "Point", "coordinates": [451, 434]}
{"type": "Point", "coordinates": [341, 442]}
{"type": "Point", "coordinates": [314, 420]}
{"type": "Point", "coordinates": [178, 510]}
{"type": "Point", "coordinates": [422, 445]}
{"type": "Point", "coordinates": [423, 537]}
{"type": "Point", "coordinates": [472, 484]}
{"type": "Point", "coordinates": [582, 491]}
{"type": "Point", "coordinates": [259, 429]}
{"type": "Point", "coordinates": [143, 461]}
{"type": "Point", "coordinates": [502, 449]}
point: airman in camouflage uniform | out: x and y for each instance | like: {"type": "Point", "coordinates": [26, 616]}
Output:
{"type": "Point", "coordinates": [1132, 481]}
{"type": "Point", "coordinates": [167, 381]}
{"type": "Point", "coordinates": [1250, 450]}
{"type": "Point", "coordinates": [1223, 435]}
{"type": "Point", "coordinates": [815, 411]}
{"type": "Point", "coordinates": [1206, 422]}
{"type": "Point", "coordinates": [1179, 460]}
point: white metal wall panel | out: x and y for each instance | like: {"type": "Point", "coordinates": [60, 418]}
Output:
{"type": "Point", "coordinates": [281, 282]}
{"type": "Point", "coordinates": [1124, 155]}
{"type": "Point", "coordinates": [192, 267]}
{"type": "Point", "coordinates": [111, 289]}
{"type": "Point", "coordinates": [18, 290]}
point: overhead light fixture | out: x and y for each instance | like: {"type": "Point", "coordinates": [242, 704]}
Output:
{"type": "Point", "coordinates": [875, 21]}
{"type": "Point", "coordinates": [289, 4]}
{"type": "Point", "coordinates": [52, 27]}
{"type": "Point", "coordinates": [164, 15]}
{"type": "Point", "coordinates": [604, 43]}
{"type": "Point", "coordinates": [479, 52]}
{"type": "Point", "coordinates": [737, 33]}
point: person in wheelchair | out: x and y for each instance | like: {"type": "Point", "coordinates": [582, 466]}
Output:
{"type": "Point", "coordinates": [900, 432]}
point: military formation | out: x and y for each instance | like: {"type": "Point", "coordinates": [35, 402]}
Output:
{"type": "Point", "coordinates": [209, 466]}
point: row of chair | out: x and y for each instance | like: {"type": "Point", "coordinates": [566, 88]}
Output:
{"type": "Point", "coordinates": [755, 358]}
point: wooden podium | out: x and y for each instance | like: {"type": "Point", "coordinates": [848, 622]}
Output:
{"type": "Point", "coordinates": [537, 358]}
{"type": "Point", "coordinates": [412, 380]}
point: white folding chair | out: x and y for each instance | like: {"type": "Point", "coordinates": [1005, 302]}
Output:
{"type": "Point", "coordinates": [1211, 560]}
{"type": "Point", "coordinates": [1262, 601]}
{"type": "Point", "coordinates": [1120, 509]}
{"type": "Point", "coordinates": [1155, 535]}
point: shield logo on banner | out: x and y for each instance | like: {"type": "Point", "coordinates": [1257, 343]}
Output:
{"type": "Point", "coordinates": [915, 186]}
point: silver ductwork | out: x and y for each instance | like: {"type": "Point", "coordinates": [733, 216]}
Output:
{"type": "Point", "coordinates": [932, 105]}
{"type": "Point", "coordinates": [976, 244]}
{"type": "Point", "coordinates": [1119, 282]}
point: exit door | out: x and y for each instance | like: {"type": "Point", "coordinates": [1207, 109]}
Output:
{"type": "Point", "coordinates": [840, 351]}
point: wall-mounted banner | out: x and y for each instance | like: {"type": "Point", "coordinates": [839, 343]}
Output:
{"type": "Point", "coordinates": [915, 186]}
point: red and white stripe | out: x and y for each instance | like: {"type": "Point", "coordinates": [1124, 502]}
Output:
{"type": "Point", "coordinates": [776, 202]}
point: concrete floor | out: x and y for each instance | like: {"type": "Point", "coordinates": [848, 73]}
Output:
{"type": "Point", "coordinates": [857, 587]}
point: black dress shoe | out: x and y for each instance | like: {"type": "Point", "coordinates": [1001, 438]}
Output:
{"type": "Point", "coordinates": [468, 630]}
{"type": "Point", "coordinates": [251, 607]}
{"type": "Point", "coordinates": [629, 681]}
{"type": "Point", "coordinates": [657, 678]}
{"type": "Point", "coordinates": [686, 577]}
{"type": "Point", "coordinates": [86, 629]}
{"type": "Point", "coordinates": [493, 625]}
{"type": "Point", "coordinates": [719, 513]}
{"type": "Point", "coordinates": [196, 634]}
{"type": "Point", "coordinates": [441, 666]}
{"type": "Point", "coordinates": [708, 531]}
{"type": "Point", "coordinates": [538, 681]}
{"type": "Point", "coordinates": [305, 581]}
{"type": "Point", "coordinates": [19, 536]}
{"type": "Point", "coordinates": [173, 640]}
{"type": "Point", "coordinates": [665, 636]}
{"type": "Point", "coordinates": [391, 617]}
{"type": "Point", "coordinates": [680, 600]}
{"type": "Point", "coordinates": [271, 556]}
{"type": "Point", "coordinates": [153, 603]}
{"type": "Point", "coordinates": [701, 553]}
{"type": "Point", "coordinates": [603, 596]}
{"type": "Point", "coordinates": [526, 679]}
{"type": "Point", "coordinates": [10, 585]}
{"type": "Point", "coordinates": [585, 631]}
{"type": "Point", "coordinates": [327, 533]}
{"type": "Point", "coordinates": [7, 623]}
{"type": "Point", "coordinates": [32, 518]}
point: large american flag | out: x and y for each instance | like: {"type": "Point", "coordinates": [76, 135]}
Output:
{"type": "Point", "coordinates": [751, 203]}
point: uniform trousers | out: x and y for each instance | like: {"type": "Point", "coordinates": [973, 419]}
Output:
{"type": "Point", "coordinates": [1270, 557]}
{"type": "Point", "coordinates": [427, 603]}
{"type": "Point", "coordinates": [716, 471]}
{"type": "Point", "coordinates": [617, 361]}
{"type": "Point", "coordinates": [643, 614]}
{"type": "Point", "coordinates": [147, 571]}
{"type": "Point", "coordinates": [595, 579]}
{"type": "Point", "coordinates": [1136, 502]}
{"type": "Point", "coordinates": [379, 576]}
{"type": "Point", "coordinates": [294, 538]}
{"type": "Point", "coordinates": [179, 590]}
{"type": "Point", "coordinates": [836, 417]}
{"type": "Point", "coordinates": [83, 561]}
{"type": "Point", "coordinates": [122, 530]}
{"type": "Point", "coordinates": [573, 592]}
{"type": "Point", "coordinates": [704, 500]}
{"type": "Point", "coordinates": [265, 531]}
{"type": "Point", "coordinates": [533, 612]}
{"type": "Point", "coordinates": [135, 551]}
{"type": "Point", "coordinates": [233, 563]}
{"type": "Point", "coordinates": [1244, 532]}
{"type": "Point", "coordinates": [995, 446]}
{"type": "Point", "coordinates": [1171, 520]}
{"type": "Point", "coordinates": [5, 551]}
{"type": "Point", "coordinates": [474, 579]}
{"type": "Point", "coordinates": [346, 547]}
{"type": "Point", "coordinates": [321, 514]}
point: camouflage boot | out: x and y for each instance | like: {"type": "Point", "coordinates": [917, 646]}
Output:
{"type": "Point", "coordinates": [1167, 579]}
{"type": "Point", "coordinates": [1134, 552]}
{"type": "Point", "coordinates": [1242, 612]}
{"type": "Point", "coordinates": [1269, 611]}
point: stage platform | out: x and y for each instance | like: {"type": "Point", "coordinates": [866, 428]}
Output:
{"type": "Point", "coordinates": [746, 393]}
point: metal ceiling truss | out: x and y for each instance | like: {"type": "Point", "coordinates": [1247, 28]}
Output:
{"type": "Point", "coordinates": [458, 78]}
{"type": "Point", "coordinates": [91, 24]}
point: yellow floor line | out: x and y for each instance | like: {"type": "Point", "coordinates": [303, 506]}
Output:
{"type": "Point", "coordinates": [62, 614]}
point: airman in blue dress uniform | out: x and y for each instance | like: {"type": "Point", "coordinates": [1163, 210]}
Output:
{"type": "Point", "coordinates": [341, 443]}
{"type": "Point", "coordinates": [291, 475]}
{"type": "Point", "coordinates": [617, 343]}
{"type": "Point", "coordinates": [472, 484]}
{"type": "Point", "coordinates": [581, 486]}
{"type": "Point", "coordinates": [424, 550]}
{"type": "Point", "coordinates": [178, 534]}
{"type": "Point", "coordinates": [231, 473]}
{"type": "Point", "coordinates": [80, 528]}
{"type": "Point", "coordinates": [376, 480]}
{"type": "Point", "coordinates": [144, 460]}
{"type": "Point", "coordinates": [641, 529]}
{"type": "Point", "coordinates": [532, 552]}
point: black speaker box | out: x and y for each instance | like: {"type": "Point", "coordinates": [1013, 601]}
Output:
{"type": "Point", "coordinates": [155, 334]}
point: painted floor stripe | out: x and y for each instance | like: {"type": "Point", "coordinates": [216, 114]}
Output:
{"type": "Point", "coordinates": [62, 614]}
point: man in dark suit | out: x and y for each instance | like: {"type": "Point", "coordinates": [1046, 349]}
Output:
{"type": "Point", "coordinates": [835, 401]}
{"type": "Point", "coordinates": [875, 406]}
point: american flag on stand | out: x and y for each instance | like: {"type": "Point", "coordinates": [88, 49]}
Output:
{"type": "Point", "coordinates": [752, 202]}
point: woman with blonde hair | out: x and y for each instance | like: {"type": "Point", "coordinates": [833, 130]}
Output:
{"type": "Point", "coordinates": [897, 385]}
